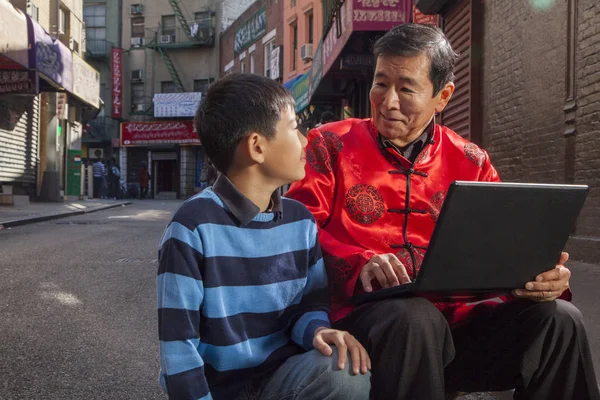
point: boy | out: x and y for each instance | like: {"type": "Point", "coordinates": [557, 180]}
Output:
{"type": "Point", "coordinates": [242, 288]}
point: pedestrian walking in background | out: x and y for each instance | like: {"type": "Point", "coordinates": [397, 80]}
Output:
{"type": "Point", "coordinates": [98, 171]}
{"type": "Point", "coordinates": [144, 180]}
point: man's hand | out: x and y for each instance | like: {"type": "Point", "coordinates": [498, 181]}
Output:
{"type": "Point", "coordinates": [387, 269]}
{"type": "Point", "coordinates": [345, 343]}
{"type": "Point", "coordinates": [549, 285]}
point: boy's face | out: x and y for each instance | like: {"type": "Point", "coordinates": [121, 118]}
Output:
{"type": "Point", "coordinates": [285, 158]}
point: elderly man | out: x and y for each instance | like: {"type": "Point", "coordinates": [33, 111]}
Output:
{"type": "Point", "coordinates": [375, 187]}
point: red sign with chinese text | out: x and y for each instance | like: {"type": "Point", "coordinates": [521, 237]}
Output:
{"type": "Point", "coordinates": [163, 132]}
{"type": "Point", "coordinates": [117, 84]}
{"type": "Point", "coordinates": [379, 15]}
{"type": "Point", "coordinates": [425, 19]}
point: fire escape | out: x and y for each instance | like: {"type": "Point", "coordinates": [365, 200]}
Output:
{"type": "Point", "coordinates": [188, 34]}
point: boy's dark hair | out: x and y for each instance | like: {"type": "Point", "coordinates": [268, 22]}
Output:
{"type": "Point", "coordinates": [410, 40]}
{"type": "Point", "coordinates": [234, 106]}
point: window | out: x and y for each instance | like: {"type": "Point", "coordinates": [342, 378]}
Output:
{"type": "Point", "coordinates": [243, 66]}
{"type": "Point", "coordinates": [252, 62]}
{"type": "Point", "coordinates": [95, 23]}
{"type": "Point", "coordinates": [137, 96]}
{"type": "Point", "coordinates": [168, 87]}
{"type": "Point", "coordinates": [268, 48]}
{"type": "Point", "coordinates": [203, 18]}
{"type": "Point", "coordinates": [34, 11]}
{"type": "Point", "coordinates": [62, 22]}
{"type": "Point", "coordinates": [294, 45]}
{"type": "Point", "coordinates": [137, 27]}
{"type": "Point", "coordinates": [310, 27]}
{"type": "Point", "coordinates": [201, 85]}
{"type": "Point", "coordinates": [169, 26]}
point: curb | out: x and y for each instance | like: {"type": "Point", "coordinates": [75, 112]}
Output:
{"type": "Point", "coordinates": [48, 217]}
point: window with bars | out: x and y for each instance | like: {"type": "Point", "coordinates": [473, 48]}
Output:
{"type": "Point", "coordinates": [137, 95]}
{"type": "Point", "coordinates": [201, 85]}
{"type": "Point", "coordinates": [310, 27]}
{"type": "Point", "coordinates": [95, 21]}
{"type": "Point", "coordinates": [169, 26]}
{"type": "Point", "coordinates": [168, 87]}
{"type": "Point", "coordinates": [268, 48]}
{"type": "Point", "coordinates": [294, 45]}
{"type": "Point", "coordinates": [137, 27]}
{"type": "Point", "coordinates": [203, 18]}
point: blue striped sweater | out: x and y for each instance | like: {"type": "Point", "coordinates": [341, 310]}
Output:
{"type": "Point", "coordinates": [236, 298]}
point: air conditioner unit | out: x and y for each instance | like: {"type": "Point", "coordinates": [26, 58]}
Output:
{"type": "Point", "coordinates": [306, 51]}
{"type": "Point", "coordinates": [137, 41]}
{"type": "Point", "coordinates": [136, 9]}
{"type": "Point", "coordinates": [95, 152]}
{"type": "Point", "coordinates": [164, 39]}
{"type": "Point", "coordinates": [137, 75]}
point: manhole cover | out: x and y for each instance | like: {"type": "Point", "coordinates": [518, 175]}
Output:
{"type": "Point", "coordinates": [137, 261]}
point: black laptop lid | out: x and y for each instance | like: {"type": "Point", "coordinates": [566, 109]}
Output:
{"type": "Point", "coordinates": [498, 236]}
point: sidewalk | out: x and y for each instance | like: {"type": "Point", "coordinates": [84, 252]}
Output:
{"type": "Point", "coordinates": [37, 212]}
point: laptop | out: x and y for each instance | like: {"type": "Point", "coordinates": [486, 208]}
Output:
{"type": "Point", "coordinates": [492, 237]}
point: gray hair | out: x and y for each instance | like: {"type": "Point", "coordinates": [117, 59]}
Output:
{"type": "Point", "coordinates": [410, 40]}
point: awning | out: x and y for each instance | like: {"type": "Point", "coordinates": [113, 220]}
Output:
{"type": "Point", "coordinates": [13, 38]}
{"type": "Point", "coordinates": [355, 16]}
{"type": "Point", "coordinates": [299, 86]}
{"type": "Point", "coordinates": [50, 58]}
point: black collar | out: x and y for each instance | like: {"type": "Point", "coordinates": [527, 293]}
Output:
{"type": "Point", "coordinates": [240, 206]}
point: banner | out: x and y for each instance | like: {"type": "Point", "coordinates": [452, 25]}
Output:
{"type": "Point", "coordinates": [176, 104]}
{"type": "Point", "coordinates": [250, 31]}
{"type": "Point", "coordinates": [117, 83]}
{"type": "Point", "coordinates": [167, 132]}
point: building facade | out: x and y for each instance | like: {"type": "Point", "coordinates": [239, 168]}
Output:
{"type": "Point", "coordinates": [102, 34]}
{"type": "Point", "coordinates": [47, 92]}
{"type": "Point", "coordinates": [253, 43]}
{"type": "Point", "coordinates": [537, 110]}
{"type": "Point", "coordinates": [169, 56]}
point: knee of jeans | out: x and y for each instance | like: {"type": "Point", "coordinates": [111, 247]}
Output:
{"type": "Point", "coordinates": [343, 384]}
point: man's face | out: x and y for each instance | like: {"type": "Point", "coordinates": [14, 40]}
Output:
{"type": "Point", "coordinates": [402, 99]}
{"type": "Point", "coordinates": [285, 158]}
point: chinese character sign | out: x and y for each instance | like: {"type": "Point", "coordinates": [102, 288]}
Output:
{"type": "Point", "coordinates": [250, 31]}
{"type": "Point", "coordinates": [117, 83]}
{"type": "Point", "coordinates": [167, 132]}
{"type": "Point", "coordinates": [379, 15]}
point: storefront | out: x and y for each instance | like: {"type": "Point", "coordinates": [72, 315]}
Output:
{"type": "Point", "coordinates": [462, 22]}
{"type": "Point", "coordinates": [19, 107]}
{"type": "Point", "coordinates": [171, 151]}
{"type": "Point", "coordinates": [342, 66]}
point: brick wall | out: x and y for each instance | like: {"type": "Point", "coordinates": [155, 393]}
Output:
{"type": "Point", "coordinates": [274, 15]}
{"type": "Point", "coordinates": [524, 91]}
{"type": "Point", "coordinates": [587, 149]}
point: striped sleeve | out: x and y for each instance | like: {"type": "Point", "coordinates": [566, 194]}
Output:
{"type": "Point", "coordinates": [314, 306]}
{"type": "Point", "coordinates": [180, 294]}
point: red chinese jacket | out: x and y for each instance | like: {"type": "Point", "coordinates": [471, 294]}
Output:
{"type": "Point", "coordinates": [368, 200]}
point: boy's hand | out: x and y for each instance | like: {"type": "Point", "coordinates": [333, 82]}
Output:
{"type": "Point", "coordinates": [345, 343]}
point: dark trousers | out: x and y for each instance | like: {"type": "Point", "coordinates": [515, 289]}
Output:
{"type": "Point", "coordinates": [98, 187]}
{"type": "Point", "coordinates": [539, 349]}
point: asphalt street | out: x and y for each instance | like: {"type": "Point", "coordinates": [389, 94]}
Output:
{"type": "Point", "coordinates": [78, 306]}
